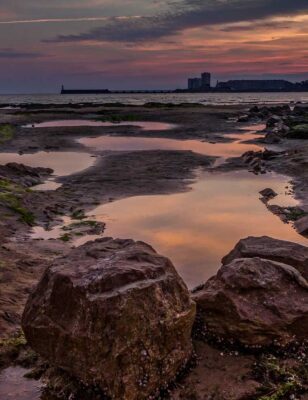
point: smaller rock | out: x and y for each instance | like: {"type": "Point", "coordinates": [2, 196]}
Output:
{"type": "Point", "coordinates": [249, 156]}
{"type": "Point", "coordinates": [254, 109]}
{"type": "Point", "coordinates": [298, 132]}
{"type": "Point", "coordinates": [268, 194]}
{"type": "Point", "coordinates": [254, 302]}
{"type": "Point", "coordinates": [272, 121]}
{"type": "Point", "coordinates": [271, 154]}
{"type": "Point", "coordinates": [82, 228]}
{"type": "Point", "coordinates": [284, 129]}
{"type": "Point", "coordinates": [272, 138]}
{"type": "Point", "coordinates": [300, 109]}
{"type": "Point", "coordinates": [271, 249]}
{"type": "Point", "coordinates": [243, 118]}
{"type": "Point", "coordinates": [23, 174]}
{"type": "Point", "coordinates": [301, 225]}
{"type": "Point", "coordinates": [264, 112]}
{"type": "Point", "coordinates": [280, 110]}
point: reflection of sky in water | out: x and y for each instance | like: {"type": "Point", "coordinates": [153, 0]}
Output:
{"type": "Point", "coordinates": [145, 125]}
{"type": "Point", "coordinates": [224, 150]}
{"type": "Point", "coordinates": [196, 229]}
{"type": "Point", "coordinates": [63, 163]}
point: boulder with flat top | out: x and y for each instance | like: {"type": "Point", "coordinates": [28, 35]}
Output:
{"type": "Point", "coordinates": [259, 297]}
{"type": "Point", "coordinates": [113, 314]}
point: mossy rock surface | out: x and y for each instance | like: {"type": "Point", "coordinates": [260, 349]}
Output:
{"type": "Point", "coordinates": [6, 133]}
{"type": "Point", "coordinates": [117, 118]}
{"type": "Point", "coordinates": [299, 132]}
{"type": "Point", "coordinates": [280, 380]}
{"type": "Point", "coordinates": [11, 195]}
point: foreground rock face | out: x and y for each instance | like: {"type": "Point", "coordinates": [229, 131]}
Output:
{"type": "Point", "coordinates": [259, 296]}
{"type": "Point", "coordinates": [115, 314]}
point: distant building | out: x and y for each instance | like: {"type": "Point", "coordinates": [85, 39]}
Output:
{"type": "Point", "coordinates": [255, 85]}
{"type": "Point", "coordinates": [203, 83]}
{"type": "Point", "coordinates": [194, 83]}
{"type": "Point", "coordinates": [206, 80]}
{"type": "Point", "coordinates": [304, 85]}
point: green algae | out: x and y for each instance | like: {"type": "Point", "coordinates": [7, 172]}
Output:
{"type": "Point", "coordinates": [6, 133]}
{"type": "Point", "coordinates": [10, 196]}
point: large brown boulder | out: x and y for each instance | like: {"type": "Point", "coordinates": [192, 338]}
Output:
{"type": "Point", "coordinates": [257, 301]}
{"type": "Point", "coordinates": [115, 314]}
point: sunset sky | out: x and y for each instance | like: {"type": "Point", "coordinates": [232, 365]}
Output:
{"type": "Point", "coordinates": [148, 43]}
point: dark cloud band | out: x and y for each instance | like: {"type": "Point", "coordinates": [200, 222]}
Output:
{"type": "Point", "coordinates": [191, 14]}
{"type": "Point", "coordinates": [10, 53]}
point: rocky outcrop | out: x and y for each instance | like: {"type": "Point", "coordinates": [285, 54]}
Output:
{"type": "Point", "coordinates": [23, 174]}
{"type": "Point", "coordinates": [291, 125]}
{"type": "Point", "coordinates": [267, 194]}
{"type": "Point", "coordinates": [260, 113]}
{"type": "Point", "coordinates": [114, 314]}
{"type": "Point", "coordinates": [272, 121]}
{"type": "Point", "coordinates": [266, 247]}
{"type": "Point", "coordinates": [281, 121]}
{"type": "Point", "coordinates": [301, 225]}
{"type": "Point", "coordinates": [82, 228]}
{"type": "Point", "coordinates": [299, 131]}
{"type": "Point", "coordinates": [300, 109]}
{"type": "Point", "coordinates": [259, 296]}
{"type": "Point", "coordinates": [256, 159]}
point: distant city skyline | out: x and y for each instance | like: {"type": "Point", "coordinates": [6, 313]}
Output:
{"type": "Point", "coordinates": [153, 44]}
{"type": "Point", "coordinates": [204, 83]}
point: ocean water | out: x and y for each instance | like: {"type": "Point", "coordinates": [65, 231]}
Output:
{"type": "Point", "coordinates": [176, 98]}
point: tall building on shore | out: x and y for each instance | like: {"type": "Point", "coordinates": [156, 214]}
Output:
{"type": "Point", "coordinates": [206, 80]}
{"type": "Point", "coordinates": [194, 83]}
{"type": "Point", "coordinates": [199, 84]}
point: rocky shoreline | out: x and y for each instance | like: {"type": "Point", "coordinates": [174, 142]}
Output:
{"type": "Point", "coordinates": [287, 129]}
{"type": "Point", "coordinates": [126, 324]}
{"type": "Point", "coordinates": [252, 317]}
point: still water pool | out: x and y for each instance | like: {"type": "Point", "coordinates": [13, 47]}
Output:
{"type": "Point", "coordinates": [196, 228]}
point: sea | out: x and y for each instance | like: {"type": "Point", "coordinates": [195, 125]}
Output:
{"type": "Point", "coordinates": [140, 98]}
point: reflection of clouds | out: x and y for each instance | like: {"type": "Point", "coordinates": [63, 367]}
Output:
{"type": "Point", "coordinates": [11, 53]}
{"type": "Point", "coordinates": [224, 150]}
{"type": "Point", "coordinates": [193, 14]}
{"type": "Point", "coordinates": [196, 229]}
{"type": "Point", "coordinates": [63, 163]}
